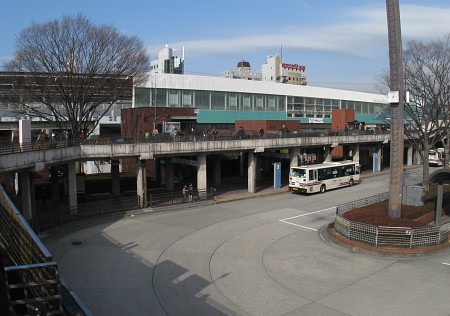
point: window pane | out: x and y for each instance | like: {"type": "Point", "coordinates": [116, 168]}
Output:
{"type": "Point", "coordinates": [233, 101]}
{"type": "Point", "coordinates": [202, 99]}
{"type": "Point", "coordinates": [217, 100]}
{"type": "Point", "coordinates": [187, 99]}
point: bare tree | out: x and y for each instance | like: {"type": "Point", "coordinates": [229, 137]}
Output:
{"type": "Point", "coordinates": [427, 79]}
{"type": "Point", "coordinates": [427, 82]}
{"type": "Point", "coordinates": [71, 71]}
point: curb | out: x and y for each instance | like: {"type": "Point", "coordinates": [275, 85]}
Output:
{"type": "Point", "coordinates": [252, 196]}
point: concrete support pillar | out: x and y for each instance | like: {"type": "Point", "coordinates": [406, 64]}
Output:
{"type": "Point", "coordinates": [201, 175]}
{"type": "Point", "coordinates": [356, 153]}
{"type": "Point", "coordinates": [328, 154]}
{"type": "Point", "coordinates": [380, 156]}
{"type": "Point", "coordinates": [26, 194]}
{"type": "Point", "coordinates": [416, 158]}
{"type": "Point", "coordinates": [293, 157]}
{"type": "Point", "coordinates": [115, 177]}
{"type": "Point", "coordinates": [10, 183]}
{"type": "Point", "coordinates": [251, 171]}
{"type": "Point", "coordinates": [169, 174]}
{"type": "Point", "coordinates": [141, 184]}
{"type": "Point", "coordinates": [54, 183]}
{"type": "Point", "coordinates": [217, 171]}
{"type": "Point", "coordinates": [72, 186]}
{"type": "Point", "coordinates": [258, 169]}
{"type": "Point", "coordinates": [242, 163]}
{"type": "Point", "coordinates": [440, 194]}
{"type": "Point", "coordinates": [157, 172]}
{"type": "Point", "coordinates": [409, 156]}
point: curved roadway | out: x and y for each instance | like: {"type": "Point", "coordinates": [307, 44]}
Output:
{"type": "Point", "coordinates": [262, 256]}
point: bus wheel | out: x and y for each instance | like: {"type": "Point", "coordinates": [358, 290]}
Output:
{"type": "Point", "coordinates": [351, 183]}
{"type": "Point", "coordinates": [323, 188]}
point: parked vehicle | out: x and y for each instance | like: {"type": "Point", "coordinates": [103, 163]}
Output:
{"type": "Point", "coordinates": [435, 157]}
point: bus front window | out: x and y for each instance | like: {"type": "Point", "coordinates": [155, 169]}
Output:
{"type": "Point", "coordinates": [299, 173]}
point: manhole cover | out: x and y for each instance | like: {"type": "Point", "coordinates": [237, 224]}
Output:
{"type": "Point", "coordinates": [76, 243]}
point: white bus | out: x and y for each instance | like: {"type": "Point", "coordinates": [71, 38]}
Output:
{"type": "Point", "coordinates": [435, 158]}
{"type": "Point", "coordinates": [325, 176]}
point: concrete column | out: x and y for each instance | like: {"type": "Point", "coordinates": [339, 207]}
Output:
{"type": "Point", "coordinates": [201, 175]}
{"type": "Point", "coordinates": [26, 194]}
{"type": "Point", "coordinates": [440, 194]}
{"type": "Point", "coordinates": [141, 185]}
{"type": "Point", "coordinates": [10, 183]}
{"type": "Point", "coordinates": [258, 169]}
{"type": "Point", "coordinates": [409, 157]}
{"type": "Point", "coordinates": [157, 171]}
{"type": "Point", "coordinates": [380, 156]}
{"type": "Point", "coordinates": [217, 171]}
{"type": "Point", "coordinates": [416, 158]}
{"type": "Point", "coordinates": [356, 153]}
{"type": "Point", "coordinates": [115, 177]}
{"type": "Point", "coordinates": [72, 186]}
{"type": "Point", "coordinates": [251, 171]}
{"type": "Point", "coordinates": [242, 163]}
{"type": "Point", "coordinates": [293, 157]}
{"type": "Point", "coordinates": [54, 183]}
{"type": "Point", "coordinates": [169, 174]}
{"type": "Point", "coordinates": [328, 154]}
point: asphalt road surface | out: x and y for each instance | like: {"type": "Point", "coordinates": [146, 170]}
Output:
{"type": "Point", "coordinates": [260, 256]}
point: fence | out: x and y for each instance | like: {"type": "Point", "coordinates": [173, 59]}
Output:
{"type": "Point", "coordinates": [33, 280]}
{"type": "Point", "coordinates": [382, 236]}
{"type": "Point", "coordinates": [173, 198]}
{"type": "Point", "coordinates": [55, 218]}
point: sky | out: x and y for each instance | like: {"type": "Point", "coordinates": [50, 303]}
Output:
{"type": "Point", "coordinates": [342, 43]}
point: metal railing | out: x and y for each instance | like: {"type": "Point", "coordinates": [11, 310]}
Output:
{"type": "Point", "coordinates": [383, 236]}
{"type": "Point", "coordinates": [15, 147]}
{"type": "Point", "coordinates": [67, 215]}
{"type": "Point", "coordinates": [176, 198]}
{"type": "Point", "coordinates": [33, 281]}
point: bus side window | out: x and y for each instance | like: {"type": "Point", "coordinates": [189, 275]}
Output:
{"type": "Point", "coordinates": [322, 174]}
{"type": "Point", "coordinates": [311, 175]}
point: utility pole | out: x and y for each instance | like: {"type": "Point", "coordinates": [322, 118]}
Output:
{"type": "Point", "coordinates": [396, 100]}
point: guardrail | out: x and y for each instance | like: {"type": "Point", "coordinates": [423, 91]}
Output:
{"type": "Point", "coordinates": [382, 236]}
{"type": "Point", "coordinates": [59, 217]}
{"type": "Point", "coordinates": [33, 281]}
{"type": "Point", "coordinates": [15, 147]}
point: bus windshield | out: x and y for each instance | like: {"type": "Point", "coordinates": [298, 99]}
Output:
{"type": "Point", "coordinates": [301, 173]}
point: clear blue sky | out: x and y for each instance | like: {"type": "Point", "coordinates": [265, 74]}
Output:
{"type": "Point", "coordinates": [342, 43]}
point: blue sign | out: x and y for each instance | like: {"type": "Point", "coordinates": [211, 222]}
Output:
{"type": "Point", "coordinates": [277, 175]}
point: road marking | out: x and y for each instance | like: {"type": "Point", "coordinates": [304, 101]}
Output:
{"type": "Point", "coordinates": [447, 264]}
{"type": "Point", "coordinates": [327, 209]}
{"type": "Point", "coordinates": [285, 220]}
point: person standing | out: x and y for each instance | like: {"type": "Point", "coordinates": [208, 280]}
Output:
{"type": "Point", "coordinates": [190, 190]}
{"type": "Point", "coordinates": [261, 132]}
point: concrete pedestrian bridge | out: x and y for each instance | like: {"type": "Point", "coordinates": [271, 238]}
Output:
{"type": "Point", "coordinates": [26, 159]}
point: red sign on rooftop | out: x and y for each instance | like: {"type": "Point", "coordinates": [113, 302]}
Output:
{"type": "Point", "coordinates": [294, 67]}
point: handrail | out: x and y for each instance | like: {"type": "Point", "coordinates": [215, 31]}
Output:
{"type": "Point", "coordinates": [16, 147]}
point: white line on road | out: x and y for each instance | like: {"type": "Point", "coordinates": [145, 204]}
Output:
{"type": "Point", "coordinates": [327, 209]}
{"type": "Point", "coordinates": [447, 264]}
{"type": "Point", "coordinates": [285, 220]}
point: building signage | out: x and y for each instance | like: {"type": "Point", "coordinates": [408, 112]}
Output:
{"type": "Point", "coordinates": [294, 67]}
{"type": "Point", "coordinates": [315, 120]}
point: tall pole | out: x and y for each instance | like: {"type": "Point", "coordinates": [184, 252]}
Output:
{"type": "Point", "coordinates": [396, 107]}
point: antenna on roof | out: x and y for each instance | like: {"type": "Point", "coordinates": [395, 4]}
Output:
{"type": "Point", "coordinates": [281, 52]}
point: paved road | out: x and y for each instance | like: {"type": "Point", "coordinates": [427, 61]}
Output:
{"type": "Point", "coordinates": [261, 256]}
